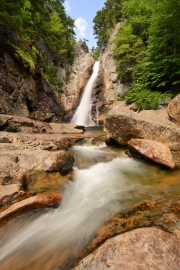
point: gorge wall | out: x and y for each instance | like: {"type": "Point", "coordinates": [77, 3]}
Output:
{"type": "Point", "coordinates": [76, 80]}
{"type": "Point", "coordinates": [108, 89]}
{"type": "Point", "coordinates": [32, 95]}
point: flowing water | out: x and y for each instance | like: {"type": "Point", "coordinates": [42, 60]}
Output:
{"type": "Point", "coordinates": [105, 182]}
{"type": "Point", "coordinates": [82, 115]}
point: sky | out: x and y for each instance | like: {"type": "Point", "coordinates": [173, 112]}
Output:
{"type": "Point", "coordinates": [83, 12]}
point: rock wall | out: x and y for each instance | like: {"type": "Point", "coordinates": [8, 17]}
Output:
{"type": "Point", "coordinates": [108, 88]}
{"type": "Point", "coordinates": [25, 93]}
{"type": "Point", "coordinates": [81, 71]}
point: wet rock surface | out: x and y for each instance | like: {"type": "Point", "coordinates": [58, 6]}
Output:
{"type": "Point", "coordinates": [163, 214]}
{"type": "Point", "coordinates": [145, 248]}
{"type": "Point", "coordinates": [33, 203]}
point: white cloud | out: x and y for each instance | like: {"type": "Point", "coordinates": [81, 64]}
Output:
{"type": "Point", "coordinates": [67, 5]}
{"type": "Point", "coordinates": [81, 25]}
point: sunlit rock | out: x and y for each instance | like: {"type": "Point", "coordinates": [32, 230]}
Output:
{"type": "Point", "coordinates": [174, 110]}
{"type": "Point", "coordinates": [79, 75]}
{"type": "Point", "coordinates": [145, 248]}
{"type": "Point", "coordinates": [123, 124]}
{"type": "Point", "coordinates": [155, 151]}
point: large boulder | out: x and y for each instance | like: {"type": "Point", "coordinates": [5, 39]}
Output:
{"type": "Point", "coordinates": [145, 248]}
{"type": "Point", "coordinates": [122, 125]}
{"type": "Point", "coordinates": [174, 110]}
{"type": "Point", "coordinates": [154, 151]}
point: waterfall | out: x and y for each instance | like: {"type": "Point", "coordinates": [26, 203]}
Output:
{"type": "Point", "coordinates": [82, 115]}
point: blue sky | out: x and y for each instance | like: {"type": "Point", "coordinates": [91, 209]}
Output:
{"type": "Point", "coordinates": [83, 12]}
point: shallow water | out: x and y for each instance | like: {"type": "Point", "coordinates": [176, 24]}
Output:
{"type": "Point", "coordinates": [105, 182]}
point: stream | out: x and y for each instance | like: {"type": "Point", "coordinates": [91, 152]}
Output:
{"type": "Point", "coordinates": [105, 181]}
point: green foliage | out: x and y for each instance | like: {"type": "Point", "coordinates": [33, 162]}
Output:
{"type": "Point", "coordinates": [31, 19]}
{"type": "Point", "coordinates": [95, 53]}
{"type": "Point", "coordinates": [106, 19]}
{"type": "Point", "coordinates": [50, 75]}
{"type": "Point", "coordinates": [24, 57]}
{"type": "Point", "coordinates": [147, 46]}
{"type": "Point", "coordinates": [145, 98]}
{"type": "Point", "coordinates": [129, 49]}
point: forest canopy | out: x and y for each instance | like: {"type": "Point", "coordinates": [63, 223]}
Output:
{"type": "Point", "coordinates": [147, 47]}
{"type": "Point", "coordinates": [32, 19]}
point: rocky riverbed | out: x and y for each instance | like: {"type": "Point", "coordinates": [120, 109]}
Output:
{"type": "Point", "coordinates": [145, 235]}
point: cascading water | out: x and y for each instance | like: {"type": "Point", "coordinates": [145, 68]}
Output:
{"type": "Point", "coordinates": [82, 115]}
{"type": "Point", "coordinates": [95, 194]}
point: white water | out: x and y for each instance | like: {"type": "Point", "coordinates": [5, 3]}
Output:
{"type": "Point", "coordinates": [89, 200]}
{"type": "Point", "coordinates": [82, 115]}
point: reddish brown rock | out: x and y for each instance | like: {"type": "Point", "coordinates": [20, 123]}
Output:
{"type": "Point", "coordinates": [174, 110]}
{"type": "Point", "coordinates": [152, 150]}
{"type": "Point", "coordinates": [164, 214]}
{"type": "Point", "coordinates": [30, 204]}
{"type": "Point", "coordinates": [145, 248]}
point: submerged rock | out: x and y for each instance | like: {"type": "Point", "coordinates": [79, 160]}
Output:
{"type": "Point", "coordinates": [145, 248]}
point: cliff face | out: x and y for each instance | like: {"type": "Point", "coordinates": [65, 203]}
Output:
{"type": "Point", "coordinates": [108, 87]}
{"type": "Point", "coordinates": [23, 92]}
{"type": "Point", "coordinates": [81, 71]}
{"type": "Point", "coordinates": [30, 94]}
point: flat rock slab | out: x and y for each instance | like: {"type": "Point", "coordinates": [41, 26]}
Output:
{"type": "Point", "coordinates": [12, 123]}
{"type": "Point", "coordinates": [146, 248]}
{"type": "Point", "coordinates": [30, 204]}
{"type": "Point", "coordinates": [15, 164]}
{"type": "Point", "coordinates": [155, 151]}
{"type": "Point", "coordinates": [12, 141]}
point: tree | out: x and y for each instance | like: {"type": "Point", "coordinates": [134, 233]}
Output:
{"type": "Point", "coordinates": [106, 19]}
